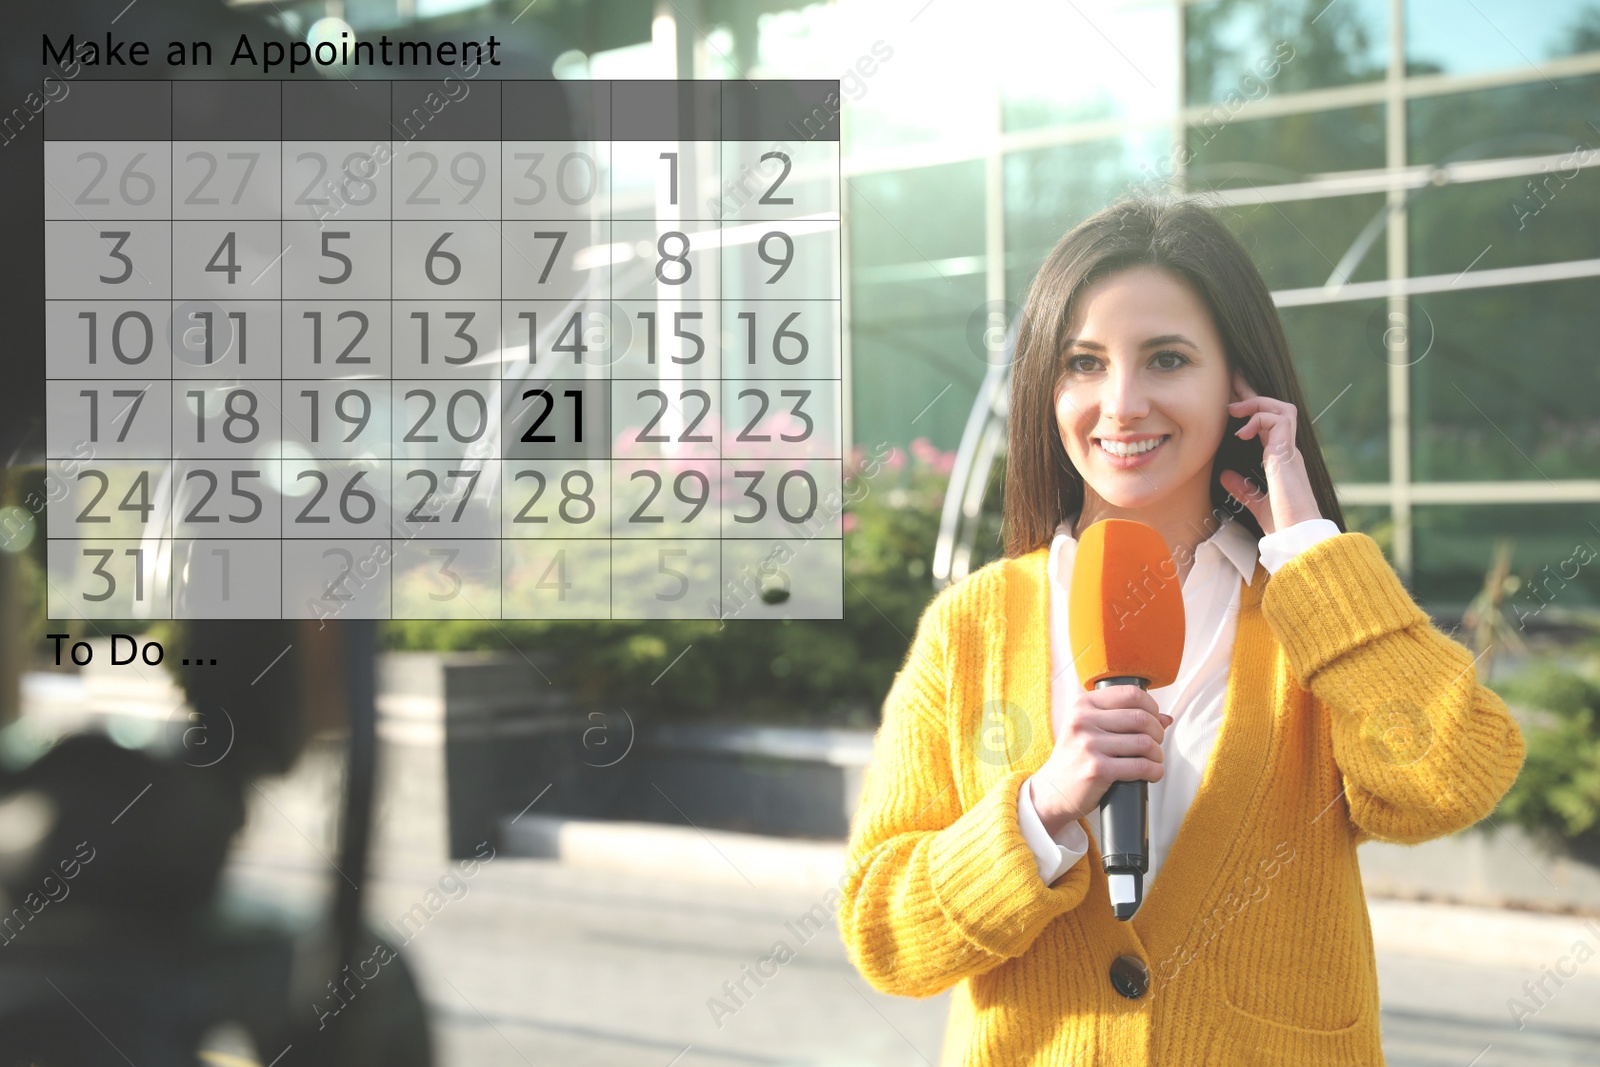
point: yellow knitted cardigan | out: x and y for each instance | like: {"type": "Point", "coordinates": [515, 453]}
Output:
{"type": "Point", "coordinates": [1349, 717]}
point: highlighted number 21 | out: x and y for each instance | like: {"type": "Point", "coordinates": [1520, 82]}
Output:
{"type": "Point", "coordinates": [549, 406]}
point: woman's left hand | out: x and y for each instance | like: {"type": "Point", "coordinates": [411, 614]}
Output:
{"type": "Point", "coordinates": [1288, 498]}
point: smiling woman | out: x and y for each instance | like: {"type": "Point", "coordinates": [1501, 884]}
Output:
{"type": "Point", "coordinates": [1153, 383]}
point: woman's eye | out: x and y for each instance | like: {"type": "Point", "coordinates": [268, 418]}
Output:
{"type": "Point", "coordinates": [1072, 363]}
{"type": "Point", "coordinates": [1179, 356]}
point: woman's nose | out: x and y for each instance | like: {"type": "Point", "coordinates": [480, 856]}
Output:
{"type": "Point", "coordinates": [1123, 397]}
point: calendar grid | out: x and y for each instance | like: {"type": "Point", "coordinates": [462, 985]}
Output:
{"type": "Point", "coordinates": [375, 288]}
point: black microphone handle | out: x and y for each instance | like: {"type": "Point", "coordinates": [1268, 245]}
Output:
{"type": "Point", "coordinates": [1125, 824]}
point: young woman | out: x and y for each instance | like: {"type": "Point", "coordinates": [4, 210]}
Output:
{"type": "Point", "coordinates": [1317, 706]}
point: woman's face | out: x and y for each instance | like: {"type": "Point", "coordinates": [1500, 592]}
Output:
{"type": "Point", "coordinates": [1143, 363]}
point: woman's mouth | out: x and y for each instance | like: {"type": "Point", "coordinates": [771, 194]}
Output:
{"type": "Point", "coordinates": [1131, 454]}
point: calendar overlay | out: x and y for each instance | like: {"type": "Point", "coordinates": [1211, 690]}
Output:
{"type": "Point", "coordinates": [412, 349]}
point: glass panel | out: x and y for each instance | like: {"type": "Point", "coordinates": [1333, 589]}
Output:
{"type": "Point", "coordinates": [917, 277]}
{"type": "Point", "coordinates": [1513, 120]}
{"type": "Point", "coordinates": [1544, 218]}
{"type": "Point", "coordinates": [1302, 243]}
{"type": "Point", "coordinates": [1454, 547]}
{"type": "Point", "coordinates": [1247, 48]}
{"type": "Point", "coordinates": [1050, 190]}
{"type": "Point", "coordinates": [909, 342]}
{"type": "Point", "coordinates": [1469, 36]}
{"type": "Point", "coordinates": [1337, 354]}
{"type": "Point", "coordinates": [1226, 154]}
{"type": "Point", "coordinates": [1503, 385]}
{"type": "Point", "coordinates": [1124, 70]}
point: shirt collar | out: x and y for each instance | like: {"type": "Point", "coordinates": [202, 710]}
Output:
{"type": "Point", "coordinates": [1236, 543]}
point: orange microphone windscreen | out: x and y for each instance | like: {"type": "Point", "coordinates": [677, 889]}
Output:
{"type": "Point", "coordinates": [1126, 605]}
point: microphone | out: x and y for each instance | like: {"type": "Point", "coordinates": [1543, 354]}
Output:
{"type": "Point", "coordinates": [1126, 622]}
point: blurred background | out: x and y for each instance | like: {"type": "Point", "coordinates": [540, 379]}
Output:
{"type": "Point", "coordinates": [653, 813]}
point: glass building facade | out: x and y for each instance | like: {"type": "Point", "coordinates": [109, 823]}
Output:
{"type": "Point", "coordinates": [1417, 180]}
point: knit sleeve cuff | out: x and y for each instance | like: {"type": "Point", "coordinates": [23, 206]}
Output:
{"type": "Point", "coordinates": [986, 878]}
{"type": "Point", "coordinates": [1336, 596]}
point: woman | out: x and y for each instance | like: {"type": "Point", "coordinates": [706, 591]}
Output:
{"type": "Point", "coordinates": [1317, 706]}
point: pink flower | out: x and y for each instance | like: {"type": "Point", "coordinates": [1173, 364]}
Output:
{"type": "Point", "coordinates": [849, 521]}
{"type": "Point", "coordinates": [895, 460]}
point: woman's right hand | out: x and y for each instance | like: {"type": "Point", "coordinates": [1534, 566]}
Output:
{"type": "Point", "coordinates": [1109, 735]}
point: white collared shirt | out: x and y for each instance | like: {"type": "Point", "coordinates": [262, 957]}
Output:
{"type": "Point", "coordinates": [1194, 700]}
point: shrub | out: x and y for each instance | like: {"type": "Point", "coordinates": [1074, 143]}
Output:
{"type": "Point", "coordinates": [1557, 796]}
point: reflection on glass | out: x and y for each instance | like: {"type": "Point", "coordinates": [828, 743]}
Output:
{"type": "Point", "coordinates": [1236, 154]}
{"type": "Point", "coordinates": [916, 278]}
{"type": "Point", "coordinates": [1246, 48]}
{"type": "Point", "coordinates": [1469, 36]}
{"type": "Point", "coordinates": [1507, 390]}
{"type": "Point", "coordinates": [1455, 546]}
{"type": "Point", "coordinates": [1542, 218]}
{"type": "Point", "coordinates": [1300, 243]}
{"type": "Point", "coordinates": [1050, 190]}
{"type": "Point", "coordinates": [1534, 118]}
{"type": "Point", "coordinates": [917, 217]}
{"type": "Point", "coordinates": [1338, 354]}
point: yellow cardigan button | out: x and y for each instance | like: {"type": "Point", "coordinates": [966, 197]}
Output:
{"type": "Point", "coordinates": [1129, 976]}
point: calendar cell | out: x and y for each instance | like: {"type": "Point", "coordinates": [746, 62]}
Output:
{"type": "Point", "coordinates": [226, 419]}
{"type": "Point", "coordinates": [336, 339]}
{"type": "Point", "coordinates": [789, 259]}
{"type": "Point", "coordinates": [555, 417]}
{"type": "Point", "coordinates": [669, 341]}
{"type": "Point", "coordinates": [772, 419]}
{"type": "Point", "coordinates": [554, 261]}
{"type": "Point", "coordinates": [226, 499]}
{"type": "Point", "coordinates": [93, 181]}
{"type": "Point", "coordinates": [446, 579]}
{"type": "Point", "coordinates": [340, 419]}
{"type": "Point", "coordinates": [783, 579]}
{"type": "Point", "coordinates": [226, 339]}
{"type": "Point", "coordinates": [562, 337]}
{"type": "Point", "coordinates": [336, 182]}
{"type": "Point", "coordinates": [556, 579]}
{"type": "Point", "coordinates": [226, 579]}
{"type": "Point", "coordinates": [109, 499]}
{"type": "Point", "coordinates": [226, 260]}
{"type": "Point", "coordinates": [448, 180]}
{"type": "Point", "coordinates": [666, 498]}
{"type": "Point", "coordinates": [556, 498]}
{"type": "Point", "coordinates": [335, 498]}
{"type": "Point", "coordinates": [447, 498]}
{"type": "Point", "coordinates": [783, 498]}
{"type": "Point", "coordinates": [337, 579]}
{"type": "Point", "coordinates": [109, 260]}
{"type": "Point", "coordinates": [445, 419]}
{"type": "Point", "coordinates": [113, 420]}
{"type": "Point", "coordinates": [226, 180]}
{"type": "Point", "coordinates": [447, 260]}
{"type": "Point", "coordinates": [787, 339]}
{"type": "Point", "coordinates": [107, 339]}
{"type": "Point", "coordinates": [661, 579]}
{"type": "Point", "coordinates": [456, 339]}
{"type": "Point", "coordinates": [555, 181]}
{"type": "Point", "coordinates": [103, 578]}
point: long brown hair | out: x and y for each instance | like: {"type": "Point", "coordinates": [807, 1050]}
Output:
{"type": "Point", "coordinates": [1178, 234]}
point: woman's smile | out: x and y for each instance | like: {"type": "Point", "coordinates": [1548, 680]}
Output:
{"type": "Point", "coordinates": [1126, 453]}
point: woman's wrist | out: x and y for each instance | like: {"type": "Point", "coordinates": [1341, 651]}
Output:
{"type": "Point", "coordinates": [1053, 817]}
